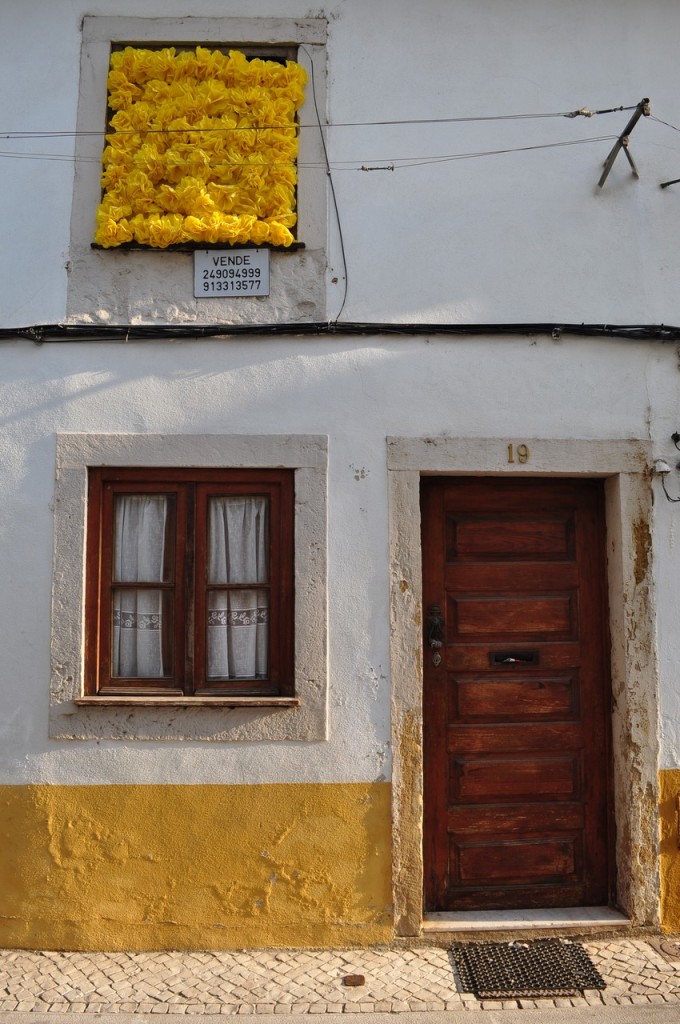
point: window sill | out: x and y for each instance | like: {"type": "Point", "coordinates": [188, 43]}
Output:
{"type": "Point", "coordinates": [194, 246]}
{"type": "Point", "coordinates": [188, 702]}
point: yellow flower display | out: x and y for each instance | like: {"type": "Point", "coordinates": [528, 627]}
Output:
{"type": "Point", "coordinates": [203, 149]}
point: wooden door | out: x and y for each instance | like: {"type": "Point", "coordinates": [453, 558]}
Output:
{"type": "Point", "coordinates": [516, 711]}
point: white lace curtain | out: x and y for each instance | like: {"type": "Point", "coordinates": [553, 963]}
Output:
{"type": "Point", "coordinates": [138, 615]}
{"type": "Point", "coordinates": [237, 620]}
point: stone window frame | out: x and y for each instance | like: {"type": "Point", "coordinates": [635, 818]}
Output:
{"type": "Point", "coordinates": [101, 283]}
{"type": "Point", "coordinates": [278, 719]}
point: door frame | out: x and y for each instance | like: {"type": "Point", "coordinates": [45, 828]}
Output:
{"type": "Point", "coordinates": [625, 467]}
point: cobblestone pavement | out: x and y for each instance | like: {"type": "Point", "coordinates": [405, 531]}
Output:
{"type": "Point", "coordinates": [301, 981]}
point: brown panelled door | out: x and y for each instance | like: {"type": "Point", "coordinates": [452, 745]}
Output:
{"type": "Point", "coordinates": [516, 694]}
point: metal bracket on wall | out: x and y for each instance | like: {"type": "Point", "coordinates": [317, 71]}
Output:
{"type": "Point", "coordinates": [662, 469]}
{"type": "Point", "coordinates": [643, 109]}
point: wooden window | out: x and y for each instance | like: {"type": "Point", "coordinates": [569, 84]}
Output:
{"type": "Point", "coordinates": [189, 588]}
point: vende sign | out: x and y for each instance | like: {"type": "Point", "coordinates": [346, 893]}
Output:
{"type": "Point", "coordinates": [233, 272]}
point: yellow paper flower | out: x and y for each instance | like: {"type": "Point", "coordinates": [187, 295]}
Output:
{"type": "Point", "coordinates": [111, 231]}
{"type": "Point", "coordinates": [278, 234]}
{"type": "Point", "coordinates": [203, 148]}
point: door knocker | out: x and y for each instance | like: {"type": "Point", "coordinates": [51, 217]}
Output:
{"type": "Point", "coordinates": [435, 633]}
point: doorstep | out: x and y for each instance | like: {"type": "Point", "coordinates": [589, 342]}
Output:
{"type": "Point", "coordinates": [572, 919]}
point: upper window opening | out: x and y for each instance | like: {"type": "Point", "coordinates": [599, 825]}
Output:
{"type": "Point", "coordinates": [190, 191]}
{"type": "Point", "coordinates": [202, 147]}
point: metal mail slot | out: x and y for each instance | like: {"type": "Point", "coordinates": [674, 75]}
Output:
{"type": "Point", "coordinates": [514, 657]}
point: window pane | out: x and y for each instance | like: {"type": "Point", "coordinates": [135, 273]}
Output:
{"type": "Point", "coordinates": [238, 540]}
{"type": "Point", "coordinates": [143, 538]}
{"type": "Point", "coordinates": [141, 634]}
{"type": "Point", "coordinates": [237, 634]}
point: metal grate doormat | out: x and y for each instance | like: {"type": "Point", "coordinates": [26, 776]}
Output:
{"type": "Point", "coordinates": [543, 967]}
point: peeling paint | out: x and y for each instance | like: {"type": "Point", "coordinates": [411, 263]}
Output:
{"type": "Point", "coordinates": [642, 548]}
{"type": "Point", "coordinates": [408, 835]}
{"type": "Point", "coordinates": [634, 719]}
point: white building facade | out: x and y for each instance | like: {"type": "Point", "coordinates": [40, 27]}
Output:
{"type": "Point", "coordinates": [451, 402]}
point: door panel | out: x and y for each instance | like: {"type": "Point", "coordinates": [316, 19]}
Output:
{"type": "Point", "coordinates": [495, 538]}
{"type": "Point", "coordinates": [525, 698]}
{"type": "Point", "coordinates": [516, 697]}
{"type": "Point", "coordinates": [549, 859]}
{"type": "Point", "coordinates": [477, 780]}
{"type": "Point", "coordinates": [531, 617]}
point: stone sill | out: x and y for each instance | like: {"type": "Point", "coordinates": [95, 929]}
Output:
{"type": "Point", "coordinates": [574, 918]}
{"type": "Point", "coordinates": [188, 702]}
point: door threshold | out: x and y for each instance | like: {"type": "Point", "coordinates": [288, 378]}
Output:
{"type": "Point", "coordinates": [574, 918]}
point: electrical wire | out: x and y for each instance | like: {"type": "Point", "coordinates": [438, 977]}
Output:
{"type": "Point", "coordinates": [402, 162]}
{"type": "Point", "coordinates": [59, 157]}
{"type": "Point", "coordinates": [583, 112]}
{"type": "Point", "coordinates": [41, 333]}
{"type": "Point", "coordinates": [665, 491]}
{"type": "Point", "coordinates": [652, 117]}
{"type": "Point", "coordinates": [332, 187]}
{"type": "Point", "coordinates": [383, 163]}
{"type": "Point", "coordinates": [395, 163]}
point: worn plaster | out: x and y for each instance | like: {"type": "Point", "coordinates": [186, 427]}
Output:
{"type": "Point", "coordinates": [194, 867]}
{"type": "Point", "coordinates": [635, 695]}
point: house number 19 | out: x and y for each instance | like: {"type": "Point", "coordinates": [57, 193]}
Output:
{"type": "Point", "coordinates": [520, 453]}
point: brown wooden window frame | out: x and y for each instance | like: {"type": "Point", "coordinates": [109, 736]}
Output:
{"type": "Point", "coordinates": [187, 581]}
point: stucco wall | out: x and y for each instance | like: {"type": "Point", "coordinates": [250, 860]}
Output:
{"type": "Point", "coordinates": [518, 236]}
{"type": "Point", "coordinates": [357, 392]}
{"type": "Point", "coordinates": [521, 236]}
{"type": "Point", "coordinates": [204, 867]}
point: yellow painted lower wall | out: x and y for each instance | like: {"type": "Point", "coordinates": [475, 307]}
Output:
{"type": "Point", "coordinates": [195, 867]}
{"type": "Point", "coordinates": [669, 788]}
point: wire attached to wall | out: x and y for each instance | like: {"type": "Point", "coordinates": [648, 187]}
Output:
{"type": "Point", "coordinates": [400, 163]}
{"type": "Point", "coordinates": [331, 184]}
{"type": "Point", "coordinates": [387, 163]}
{"type": "Point", "coordinates": [81, 332]}
{"type": "Point", "coordinates": [662, 469]}
{"type": "Point", "coordinates": [582, 112]}
{"type": "Point", "coordinates": [673, 181]}
{"type": "Point", "coordinates": [363, 164]}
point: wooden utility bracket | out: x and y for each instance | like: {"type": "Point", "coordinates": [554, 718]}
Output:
{"type": "Point", "coordinates": [642, 109]}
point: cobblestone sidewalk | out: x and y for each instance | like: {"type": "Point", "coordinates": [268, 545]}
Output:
{"type": "Point", "coordinates": [299, 981]}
